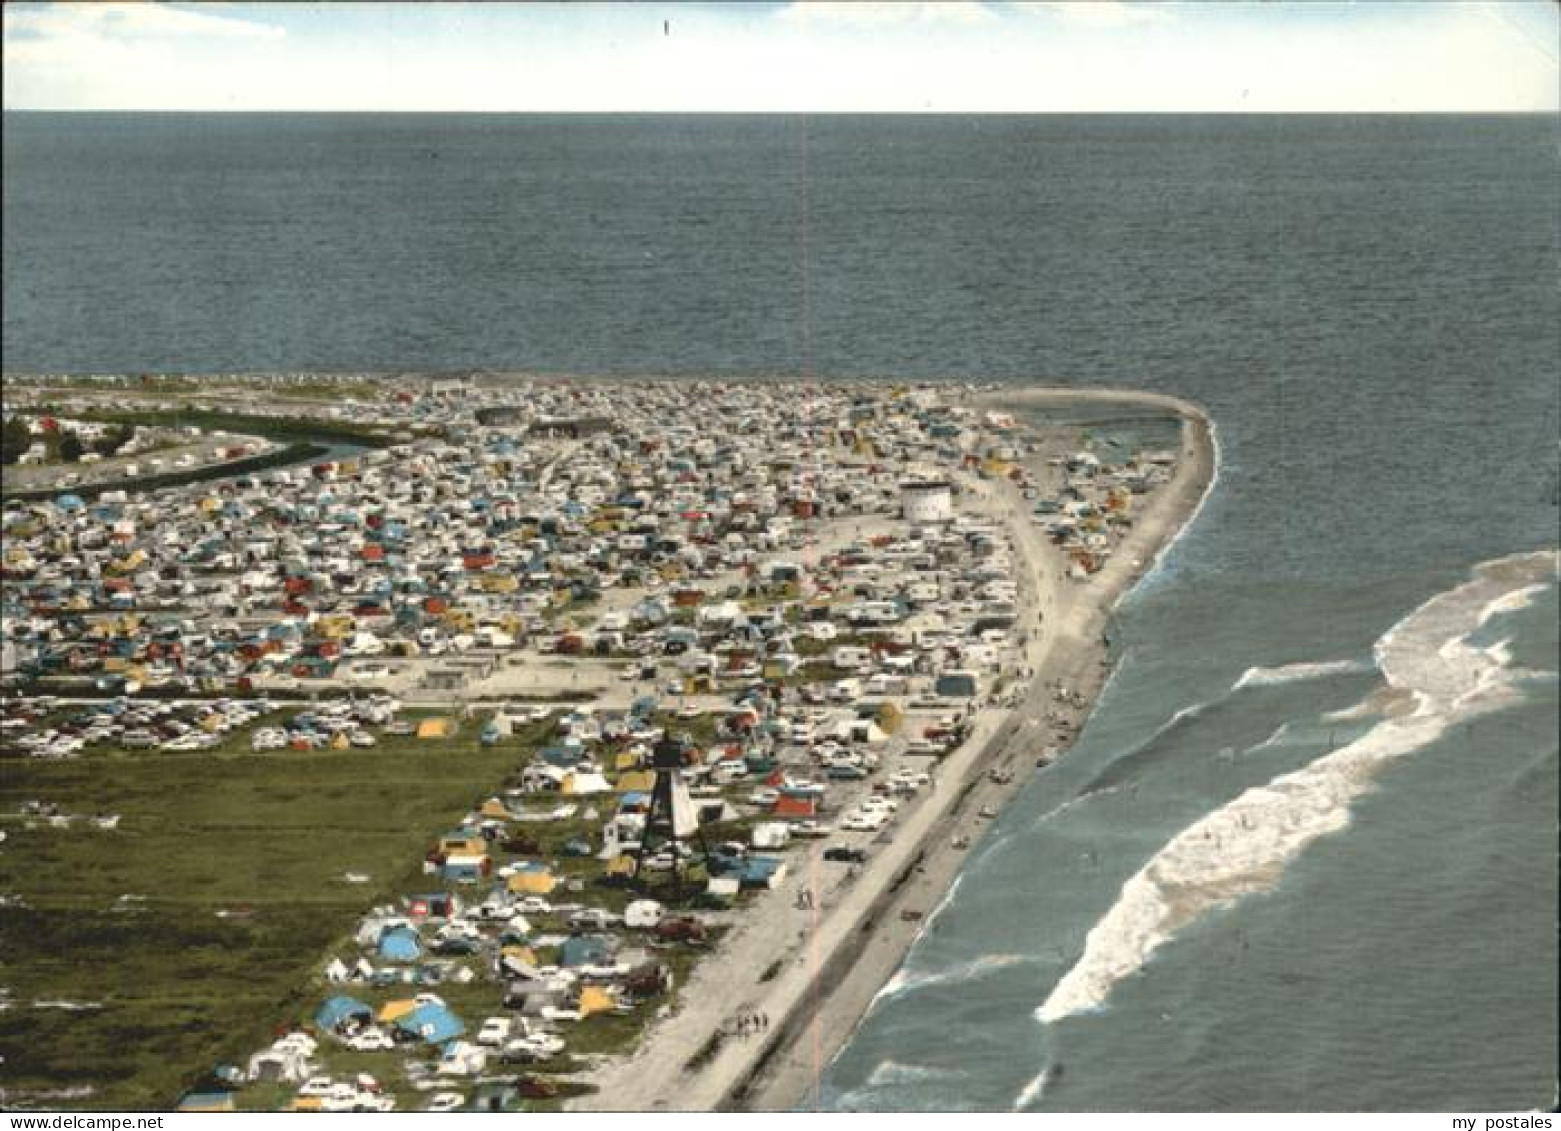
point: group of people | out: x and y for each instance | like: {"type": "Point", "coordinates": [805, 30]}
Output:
{"type": "Point", "coordinates": [804, 900]}
{"type": "Point", "coordinates": [748, 1022]}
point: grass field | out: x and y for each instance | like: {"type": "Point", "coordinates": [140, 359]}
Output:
{"type": "Point", "coordinates": [190, 934]}
{"type": "Point", "coordinates": [240, 859]}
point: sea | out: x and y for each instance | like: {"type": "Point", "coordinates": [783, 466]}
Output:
{"type": "Point", "coordinates": [1304, 854]}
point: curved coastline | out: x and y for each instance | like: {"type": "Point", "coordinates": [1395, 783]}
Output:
{"type": "Point", "coordinates": [832, 969]}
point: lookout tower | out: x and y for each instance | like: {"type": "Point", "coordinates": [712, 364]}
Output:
{"type": "Point", "coordinates": [671, 818]}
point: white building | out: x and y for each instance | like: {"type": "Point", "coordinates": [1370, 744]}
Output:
{"type": "Point", "coordinates": [927, 500]}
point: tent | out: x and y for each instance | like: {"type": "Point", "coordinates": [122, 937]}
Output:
{"type": "Point", "coordinates": [466, 867]}
{"type": "Point", "coordinates": [208, 1102]}
{"type": "Point", "coordinates": [540, 882]}
{"type": "Point", "coordinates": [432, 1022]}
{"type": "Point", "coordinates": [339, 1010]}
{"type": "Point", "coordinates": [583, 784]}
{"type": "Point", "coordinates": [794, 806]}
{"type": "Point", "coordinates": [583, 950]}
{"type": "Point", "coordinates": [395, 1010]}
{"type": "Point", "coordinates": [595, 999]}
{"type": "Point", "coordinates": [280, 1064]}
{"type": "Point", "coordinates": [761, 871]}
{"type": "Point", "coordinates": [435, 728]}
{"type": "Point", "coordinates": [400, 944]}
{"type": "Point", "coordinates": [436, 905]}
{"type": "Point", "coordinates": [636, 781]}
{"type": "Point", "coordinates": [562, 755]}
{"type": "Point", "coordinates": [643, 913]}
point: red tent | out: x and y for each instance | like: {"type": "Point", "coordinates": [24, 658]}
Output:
{"type": "Point", "coordinates": [789, 805]}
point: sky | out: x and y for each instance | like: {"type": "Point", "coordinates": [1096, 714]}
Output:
{"type": "Point", "coordinates": [949, 56]}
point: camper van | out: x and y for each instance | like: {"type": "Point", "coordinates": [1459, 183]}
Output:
{"type": "Point", "coordinates": [845, 690]}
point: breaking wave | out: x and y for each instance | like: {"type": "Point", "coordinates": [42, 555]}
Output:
{"type": "Point", "coordinates": [1245, 846]}
{"type": "Point", "coordinates": [890, 1078]}
{"type": "Point", "coordinates": [1158, 570]}
{"type": "Point", "coordinates": [1035, 1089]}
{"type": "Point", "coordinates": [1295, 673]}
{"type": "Point", "coordinates": [905, 982]}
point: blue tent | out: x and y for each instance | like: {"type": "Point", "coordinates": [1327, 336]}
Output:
{"type": "Point", "coordinates": [759, 871]}
{"type": "Point", "coordinates": [562, 756]}
{"type": "Point", "coordinates": [206, 1102]}
{"type": "Point", "coordinates": [69, 502]}
{"type": "Point", "coordinates": [433, 1023]}
{"type": "Point", "coordinates": [583, 950]}
{"type": "Point", "coordinates": [400, 944]}
{"type": "Point", "coordinates": [338, 1009]}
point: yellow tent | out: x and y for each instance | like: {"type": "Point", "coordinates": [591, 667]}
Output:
{"type": "Point", "coordinates": [627, 760]}
{"type": "Point", "coordinates": [889, 716]}
{"type": "Point", "coordinates": [392, 1010]}
{"type": "Point", "coordinates": [210, 723]}
{"type": "Point", "coordinates": [594, 999]}
{"type": "Point", "coordinates": [462, 845]}
{"type": "Point", "coordinates": [132, 561]}
{"type": "Point", "coordinates": [493, 807]}
{"type": "Point", "coordinates": [637, 781]}
{"type": "Point", "coordinates": [520, 954]}
{"type": "Point", "coordinates": [621, 866]}
{"type": "Point", "coordinates": [334, 627]}
{"type": "Point", "coordinates": [533, 883]}
{"type": "Point", "coordinates": [435, 728]}
{"type": "Point", "coordinates": [340, 742]}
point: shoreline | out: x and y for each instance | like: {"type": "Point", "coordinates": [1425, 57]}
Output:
{"type": "Point", "coordinates": [849, 947]}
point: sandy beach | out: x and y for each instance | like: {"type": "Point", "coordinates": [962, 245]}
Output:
{"type": "Point", "coordinates": [811, 974]}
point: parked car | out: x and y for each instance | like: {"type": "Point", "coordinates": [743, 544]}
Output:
{"type": "Point", "coordinates": [845, 855]}
{"type": "Point", "coordinates": [370, 1039]}
{"type": "Point", "coordinates": [680, 928]}
{"type": "Point", "coordinates": [592, 919]}
{"type": "Point", "coordinates": [495, 1031]}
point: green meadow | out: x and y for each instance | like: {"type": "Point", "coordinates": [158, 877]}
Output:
{"type": "Point", "coordinates": [197, 926]}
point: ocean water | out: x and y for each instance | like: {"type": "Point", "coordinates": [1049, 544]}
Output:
{"type": "Point", "coordinates": [1250, 885]}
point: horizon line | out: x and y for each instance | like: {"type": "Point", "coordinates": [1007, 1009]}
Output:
{"type": "Point", "coordinates": [923, 112]}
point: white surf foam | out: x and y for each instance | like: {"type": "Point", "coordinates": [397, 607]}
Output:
{"type": "Point", "coordinates": [1511, 602]}
{"type": "Point", "coordinates": [1296, 673]}
{"type": "Point", "coordinates": [1162, 556]}
{"type": "Point", "coordinates": [1278, 738]}
{"type": "Point", "coordinates": [1244, 846]}
{"type": "Point", "coordinates": [905, 981]}
{"type": "Point", "coordinates": [894, 1073]}
{"type": "Point", "coordinates": [1034, 1090]}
